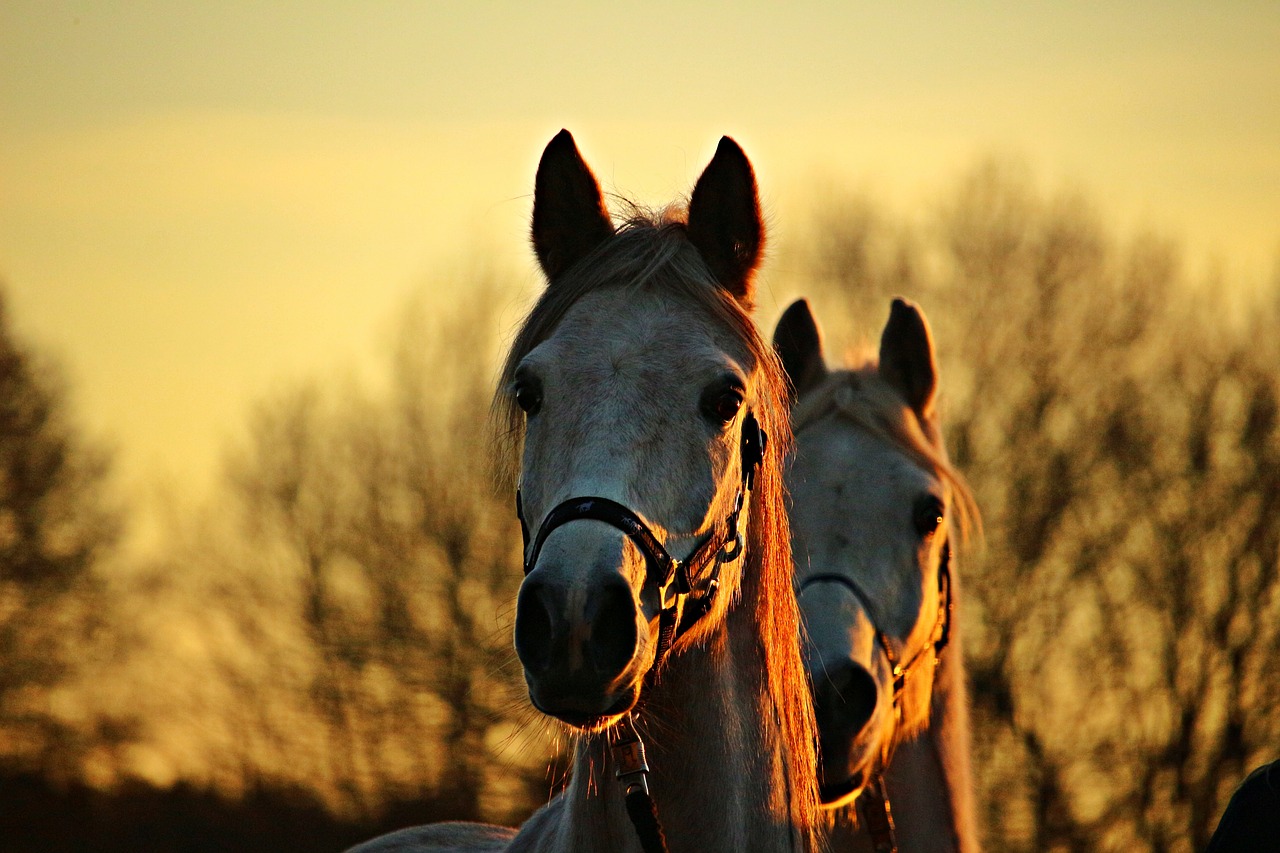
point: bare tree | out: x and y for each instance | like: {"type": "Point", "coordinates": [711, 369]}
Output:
{"type": "Point", "coordinates": [56, 526]}
{"type": "Point", "coordinates": [381, 508]}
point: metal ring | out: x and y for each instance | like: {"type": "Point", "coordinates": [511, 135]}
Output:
{"type": "Point", "coordinates": [730, 551]}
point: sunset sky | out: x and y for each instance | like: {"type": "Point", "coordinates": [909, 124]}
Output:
{"type": "Point", "coordinates": [200, 203]}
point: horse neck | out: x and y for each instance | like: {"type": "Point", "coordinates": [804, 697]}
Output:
{"type": "Point", "coordinates": [934, 768]}
{"type": "Point", "coordinates": [720, 773]}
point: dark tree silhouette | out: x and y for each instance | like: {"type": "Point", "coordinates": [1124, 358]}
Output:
{"type": "Point", "coordinates": [380, 509]}
{"type": "Point", "coordinates": [56, 525]}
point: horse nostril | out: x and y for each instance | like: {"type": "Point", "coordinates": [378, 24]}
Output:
{"type": "Point", "coordinates": [533, 635]}
{"type": "Point", "coordinates": [859, 694]}
{"type": "Point", "coordinates": [844, 697]}
{"type": "Point", "coordinates": [613, 628]}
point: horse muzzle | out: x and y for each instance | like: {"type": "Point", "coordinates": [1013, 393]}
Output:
{"type": "Point", "coordinates": [845, 698]}
{"type": "Point", "coordinates": [579, 647]}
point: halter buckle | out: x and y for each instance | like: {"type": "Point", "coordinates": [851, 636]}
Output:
{"type": "Point", "coordinates": [731, 550]}
{"type": "Point", "coordinates": [676, 585]}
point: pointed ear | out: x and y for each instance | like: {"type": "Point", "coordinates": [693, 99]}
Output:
{"type": "Point", "coordinates": [724, 220]}
{"type": "Point", "coordinates": [569, 216]}
{"type": "Point", "coordinates": [798, 342]}
{"type": "Point", "coordinates": [906, 357]}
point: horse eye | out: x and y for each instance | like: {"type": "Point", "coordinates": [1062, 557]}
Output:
{"type": "Point", "coordinates": [927, 515]}
{"type": "Point", "coordinates": [529, 395]}
{"type": "Point", "coordinates": [723, 405]}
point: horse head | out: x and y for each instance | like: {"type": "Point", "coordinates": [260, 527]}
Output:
{"type": "Point", "coordinates": [637, 389]}
{"type": "Point", "coordinates": [875, 506]}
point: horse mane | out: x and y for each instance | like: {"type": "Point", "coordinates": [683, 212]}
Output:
{"type": "Point", "coordinates": [862, 397]}
{"type": "Point", "coordinates": [651, 251]}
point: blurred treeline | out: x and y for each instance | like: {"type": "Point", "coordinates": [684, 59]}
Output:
{"type": "Point", "coordinates": [321, 650]}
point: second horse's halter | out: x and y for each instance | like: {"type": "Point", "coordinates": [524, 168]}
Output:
{"type": "Point", "coordinates": [873, 800]}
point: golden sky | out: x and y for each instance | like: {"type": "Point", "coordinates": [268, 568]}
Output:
{"type": "Point", "coordinates": [201, 202]}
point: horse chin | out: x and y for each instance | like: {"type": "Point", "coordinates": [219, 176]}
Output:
{"type": "Point", "coordinates": [838, 795]}
{"type": "Point", "coordinates": [844, 770]}
{"type": "Point", "coordinates": [586, 718]}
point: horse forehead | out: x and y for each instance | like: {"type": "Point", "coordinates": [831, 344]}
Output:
{"type": "Point", "coordinates": [852, 469]}
{"type": "Point", "coordinates": [623, 374]}
{"type": "Point", "coordinates": [852, 497]}
{"type": "Point", "coordinates": [624, 331]}
{"type": "Point", "coordinates": [853, 493]}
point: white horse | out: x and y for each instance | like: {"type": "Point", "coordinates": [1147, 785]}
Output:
{"type": "Point", "coordinates": [640, 393]}
{"type": "Point", "coordinates": [876, 508]}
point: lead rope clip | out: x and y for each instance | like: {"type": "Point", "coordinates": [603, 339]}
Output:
{"type": "Point", "coordinates": [631, 769]}
{"type": "Point", "coordinates": [632, 772]}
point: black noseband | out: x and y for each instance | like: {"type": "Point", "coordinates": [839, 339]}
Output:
{"type": "Point", "coordinates": [941, 630]}
{"type": "Point", "coordinates": [662, 568]}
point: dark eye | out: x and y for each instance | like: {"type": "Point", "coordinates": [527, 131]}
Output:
{"type": "Point", "coordinates": [528, 393]}
{"type": "Point", "coordinates": [927, 515]}
{"type": "Point", "coordinates": [720, 405]}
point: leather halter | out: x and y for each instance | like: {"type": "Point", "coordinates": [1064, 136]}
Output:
{"type": "Point", "coordinates": [675, 580]}
{"type": "Point", "coordinates": [874, 800]}
{"type": "Point", "coordinates": [941, 630]}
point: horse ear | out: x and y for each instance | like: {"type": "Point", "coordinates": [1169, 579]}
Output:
{"type": "Point", "coordinates": [569, 216]}
{"type": "Point", "coordinates": [907, 359]}
{"type": "Point", "coordinates": [724, 220]}
{"type": "Point", "coordinates": [798, 342]}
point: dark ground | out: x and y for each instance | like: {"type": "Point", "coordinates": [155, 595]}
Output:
{"type": "Point", "coordinates": [36, 815]}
